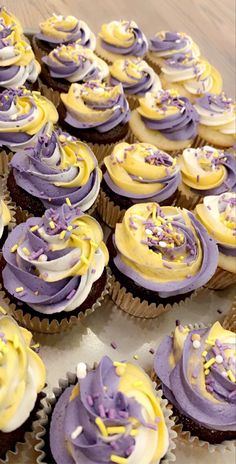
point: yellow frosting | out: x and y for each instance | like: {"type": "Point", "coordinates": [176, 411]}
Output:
{"type": "Point", "coordinates": [58, 26]}
{"type": "Point", "coordinates": [16, 358]}
{"type": "Point", "coordinates": [118, 33]}
{"type": "Point", "coordinates": [152, 105]}
{"type": "Point", "coordinates": [10, 20]}
{"type": "Point", "coordinates": [23, 53]}
{"type": "Point", "coordinates": [5, 214]}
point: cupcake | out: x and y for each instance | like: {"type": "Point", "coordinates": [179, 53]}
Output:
{"type": "Point", "coordinates": [57, 167]}
{"type": "Point", "coordinates": [158, 257]}
{"type": "Point", "coordinates": [22, 380]}
{"type": "Point", "coordinates": [191, 77]}
{"type": "Point", "coordinates": [5, 219]}
{"type": "Point", "coordinates": [121, 39]}
{"type": "Point", "coordinates": [230, 318]}
{"type": "Point", "coordinates": [218, 214]}
{"type": "Point", "coordinates": [165, 44]}
{"type": "Point", "coordinates": [136, 77]}
{"type": "Point", "coordinates": [55, 266]}
{"type": "Point", "coordinates": [217, 119]}
{"type": "Point", "coordinates": [23, 117]}
{"type": "Point", "coordinates": [197, 370]}
{"type": "Point", "coordinates": [58, 30]}
{"type": "Point", "coordinates": [166, 120]}
{"type": "Point", "coordinates": [134, 174]}
{"type": "Point", "coordinates": [110, 413]}
{"type": "Point", "coordinates": [8, 20]}
{"type": "Point", "coordinates": [96, 113]}
{"type": "Point", "coordinates": [71, 63]}
{"type": "Point", "coordinates": [205, 171]}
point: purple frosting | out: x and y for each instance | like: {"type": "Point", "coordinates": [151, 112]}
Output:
{"type": "Point", "coordinates": [142, 86]}
{"type": "Point", "coordinates": [171, 41]}
{"type": "Point", "coordinates": [138, 48]}
{"type": "Point", "coordinates": [209, 100]}
{"type": "Point", "coordinates": [188, 398]}
{"type": "Point", "coordinates": [112, 406]}
{"type": "Point", "coordinates": [229, 183]}
{"type": "Point", "coordinates": [35, 173]}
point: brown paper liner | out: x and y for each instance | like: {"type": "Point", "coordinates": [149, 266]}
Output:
{"type": "Point", "coordinates": [49, 93]}
{"type": "Point", "coordinates": [153, 62]}
{"type": "Point", "coordinates": [109, 212]}
{"type": "Point", "coordinates": [185, 198]}
{"type": "Point", "coordinates": [103, 150]}
{"type": "Point", "coordinates": [133, 101]}
{"type": "Point", "coordinates": [134, 139]}
{"type": "Point", "coordinates": [71, 379]}
{"type": "Point", "coordinates": [135, 307]}
{"type": "Point", "coordinates": [36, 324]}
{"type": "Point", "coordinates": [221, 279]}
{"type": "Point", "coordinates": [230, 319]}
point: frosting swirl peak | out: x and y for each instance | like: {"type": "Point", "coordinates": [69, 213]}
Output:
{"type": "Point", "coordinates": [123, 38]}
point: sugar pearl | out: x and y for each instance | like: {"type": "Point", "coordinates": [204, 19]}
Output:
{"type": "Point", "coordinates": [224, 374]}
{"type": "Point", "coordinates": [219, 359]}
{"type": "Point", "coordinates": [196, 344]}
{"type": "Point", "coordinates": [148, 231]}
{"type": "Point", "coordinates": [77, 432]}
{"type": "Point", "coordinates": [81, 370]}
{"type": "Point", "coordinates": [43, 258]}
{"type": "Point", "coordinates": [162, 244]}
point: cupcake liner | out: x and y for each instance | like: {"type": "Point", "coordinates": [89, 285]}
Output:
{"type": "Point", "coordinates": [135, 307]}
{"type": "Point", "coordinates": [221, 279]}
{"type": "Point", "coordinates": [134, 139]}
{"type": "Point", "coordinates": [103, 150]}
{"type": "Point", "coordinates": [49, 93]}
{"type": "Point", "coordinates": [109, 212]}
{"type": "Point", "coordinates": [185, 198]}
{"type": "Point", "coordinates": [153, 62]}
{"type": "Point", "coordinates": [185, 436]}
{"type": "Point", "coordinates": [36, 324]}
{"type": "Point", "coordinates": [133, 101]}
{"type": "Point", "coordinates": [71, 379]}
{"type": "Point", "coordinates": [230, 319]}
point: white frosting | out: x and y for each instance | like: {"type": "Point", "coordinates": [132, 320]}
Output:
{"type": "Point", "coordinates": [25, 73]}
{"type": "Point", "coordinates": [218, 117]}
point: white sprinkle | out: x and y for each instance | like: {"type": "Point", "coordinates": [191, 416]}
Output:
{"type": "Point", "coordinates": [219, 359]}
{"type": "Point", "coordinates": [77, 432]}
{"type": "Point", "coordinates": [81, 370]}
{"type": "Point", "coordinates": [162, 244]}
{"type": "Point", "coordinates": [43, 258]}
{"type": "Point", "coordinates": [224, 374]}
{"type": "Point", "coordinates": [148, 231]}
{"type": "Point", "coordinates": [196, 344]}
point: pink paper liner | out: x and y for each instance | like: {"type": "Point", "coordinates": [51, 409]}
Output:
{"type": "Point", "coordinates": [230, 319]}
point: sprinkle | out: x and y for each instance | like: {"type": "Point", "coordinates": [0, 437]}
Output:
{"type": "Point", "coordinates": [219, 311]}
{"type": "Point", "coordinates": [71, 294]}
{"type": "Point", "coordinates": [120, 371]}
{"type": "Point", "coordinates": [195, 337]}
{"type": "Point", "coordinates": [118, 459]}
{"type": "Point", "coordinates": [134, 432]}
{"type": "Point", "coordinates": [52, 225]}
{"type": "Point", "coordinates": [219, 359]}
{"type": "Point", "coordinates": [116, 430]}
{"type": "Point", "coordinates": [167, 265]}
{"type": "Point", "coordinates": [152, 351]}
{"type": "Point", "coordinates": [77, 432]}
{"type": "Point", "coordinates": [90, 400]}
{"type": "Point", "coordinates": [81, 370]}
{"type": "Point", "coordinates": [68, 201]}
{"type": "Point", "coordinates": [196, 344]}
{"type": "Point", "coordinates": [101, 426]}
{"type": "Point", "coordinates": [101, 410]}
{"type": "Point", "coordinates": [207, 371]}
{"type": "Point", "coordinates": [93, 270]}
{"type": "Point", "coordinates": [209, 363]}
{"type": "Point", "coordinates": [69, 228]}
{"type": "Point", "coordinates": [209, 388]}
{"type": "Point", "coordinates": [19, 289]}
{"type": "Point", "coordinates": [34, 228]}
{"type": "Point", "coordinates": [62, 234]}
{"type": "Point", "coordinates": [14, 248]}
{"type": "Point", "coordinates": [204, 353]}
{"type": "Point", "coordinates": [231, 376]}
{"type": "Point", "coordinates": [135, 357]}
{"type": "Point", "coordinates": [114, 345]}
{"type": "Point", "coordinates": [26, 251]}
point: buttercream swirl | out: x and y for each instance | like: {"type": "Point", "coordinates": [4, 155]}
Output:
{"type": "Point", "coordinates": [208, 171]}
{"type": "Point", "coordinates": [217, 112]}
{"type": "Point", "coordinates": [95, 105]}
{"type": "Point", "coordinates": [5, 216]}
{"type": "Point", "coordinates": [165, 250]}
{"type": "Point", "coordinates": [22, 375]}
{"type": "Point", "coordinates": [60, 29]}
{"type": "Point", "coordinates": [112, 413]}
{"type": "Point", "coordinates": [197, 371]}
{"type": "Point", "coordinates": [123, 38]}
{"type": "Point", "coordinates": [196, 75]}
{"type": "Point", "coordinates": [166, 43]}
{"type": "Point", "coordinates": [53, 261]}
{"type": "Point", "coordinates": [8, 20]}
{"type": "Point", "coordinates": [141, 172]}
{"type": "Point", "coordinates": [75, 63]}
{"type": "Point", "coordinates": [168, 113]}
{"type": "Point", "coordinates": [23, 116]}
{"type": "Point", "coordinates": [218, 214]}
{"type": "Point", "coordinates": [58, 167]}
{"type": "Point", "coordinates": [135, 75]}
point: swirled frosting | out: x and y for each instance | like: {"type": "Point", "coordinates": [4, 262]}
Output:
{"type": "Point", "coordinates": [173, 116]}
{"type": "Point", "coordinates": [165, 250]}
{"type": "Point", "coordinates": [23, 117]}
{"type": "Point", "coordinates": [208, 171]}
{"type": "Point", "coordinates": [141, 172]}
{"type": "Point", "coordinates": [196, 75]}
{"type": "Point", "coordinates": [135, 75]}
{"type": "Point", "coordinates": [60, 29]}
{"type": "Point", "coordinates": [218, 214]}
{"type": "Point", "coordinates": [8, 20]}
{"type": "Point", "coordinates": [217, 112]}
{"type": "Point", "coordinates": [5, 216]}
{"type": "Point", "coordinates": [123, 38]}
{"type": "Point", "coordinates": [75, 63]}
{"type": "Point", "coordinates": [57, 167]}
{"type": "Point", "coordinates": [17, 61]}
{"type": "Point", "coordinates": [53, 261]}
{"type": "Point", "coordinates": [95, 105]}
{"type": "Point", "coordinates": [197, 370]}
{"type": "Point", "coordinates": [166, 43]}
{"type": "Point", "coordinates": [22, 375]}
{"type": "Point", "coordinates": [112, 413]}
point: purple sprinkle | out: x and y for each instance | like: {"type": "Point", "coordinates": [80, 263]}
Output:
{"type": "Point", "coordinates": [124, 414]}
{"type": "Point", "coordinates": [112, 414]}
{"type": "Point", "coordinates": [208, 207]}
{"type": "Point", "coordinates": [71, 294]}
{"type": "Point", "coordinates": [93, 270]}
{"type": "Point", "coordinates": [87, 238]}
{"type": "Point", "coordinates": [198, 178]}
{"type": "Point", "coordinates": [101, 411]}
{"type": "Point", "coordinates": [151, 426]}
{"type": "Point", "coordinates": [114, 345]}
{"type": "Point", "coordinates": [209, 388]}
{"type": "Point", "coordinates": [114, 445]}
{"type": "Point", "coordinates": [165, 264]}
{"type": "Point", "coordinates": [232, 394]}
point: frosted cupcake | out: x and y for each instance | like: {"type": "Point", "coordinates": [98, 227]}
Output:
{"type": "Point", "coordinates": [191, 77]}
{"type": "Point", "coordinates": [218, 214]}
{"type": "Point", "coordinates": [136, 77]}
{"type": "Point", "coordinates": [197, 371]}
{"type": "Point", "coordinates": [111, 412]}
{"type": "Point", "coordinates": [58, 30]}
{"type": "Point", "coordinates": [205, 171]}
{"type": "Point", "coordinates": [165, 44]}
{"type": "Point", "coordinates": [134, 174]}
{"type": "Point", "coordinates": [217, 121]}
{"type": "Point", "coordinates": [8, 20]}
{"type": "Point", "coordinates": [22, 380]}
{"type": "Point", "coordinates": [121, 39]}
{"type": "Point", "coordinates": [158, 256]}
{"type": "Point", "coordinates": [5, 219]}
{"type": "Point", "coordinates": [96, 113]}
{"type": "Point", "coordinates": [56, 168]}
{"type": "Point", "coordinates": [166, 120]}
{"type": "Point", "coordinates": [55, 266]}
{"type": "Point", "coordinates": [23, 117]}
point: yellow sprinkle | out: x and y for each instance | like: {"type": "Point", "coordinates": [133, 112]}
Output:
{"type": "Point", "coordinates": [62, 234]}
{"type": "Point", "coordinates": [134, 432]}
{"type": "Point", "coordinates": [118, 459]}
{"type": "Point", "coordinates": [115, 430]}
{"type": "Point", "coordinates": [137, 384]}
{"type": "Point", "coordinates": [26, 251]}
{"type": "Point", "coordinates": [69, 228]}
{"type": "Point", "coordinates": [231, 376]}
{"type": "Point", "coordinates": [52, 225]}
{"type": "Point", "coordinates": [119, 364]}
{"type": "Point", "coordinates": [120, 371]}
{"type": "Point", "coordinates": [135, 357]}
{"type": "Point", "coordinates": [68, 201]}
{"type": "Point", "coordinates": [195, 337]}
{"type": "Point", "coordinates": [19, 289]}
{"type": "Point", "coordinates": [35, 346]}
{"type": "Point", "coordinates": [14, 248]}
{"type": "Point", "coordinates": [210, 342]}
{"type": "Point", "coordinates": [92, 243]}
{"type": "Point", "coordinates": [62, 138]}
{"type": "Point", "coordinates": [186, 330]}
{"type": "Point", "coordinates": [101, 426]}
{"type": "Point", "coordinates": [34, 228]}
{"type": "Point", "coordinates": [209, 363]}
{"type": "Point", "coordinates": [207, 371]}
{"type": "Point", "coordinates": [204, 353]}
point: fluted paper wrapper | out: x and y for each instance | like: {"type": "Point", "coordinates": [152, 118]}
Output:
{"type": "Point", "coordinates": [133, 101]}
{"type": "Point", "coordinates": [185, 198]}
{"type": "Point", "coordinates": [155, 63]}
{"type": "Point", "coordinates": [71, 379]}
{"type": "Point", "coordinates": [4, 192]}
{"type": "Point", "coordinates": [126, 301]}
{"type": "Point", "coordinates": [104, 149]}
{"type": "Point", "coordinates": [230, 319]}
{"type": "Point", "coordinates": [134, 139]}
{"type": "Point", "coordinates": [110, 213]}
{"type": "Point", "coordinates": [49, 93]}
{"type": "Point", "coordinates": [221, 279]}
{"type": "Point", "coordinates": [185, 436]}
{"type": "Point", "coordinates": [44, 325]}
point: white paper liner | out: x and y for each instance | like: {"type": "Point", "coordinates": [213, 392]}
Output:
{"type": "Point", "coordinates": [230, 319]}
